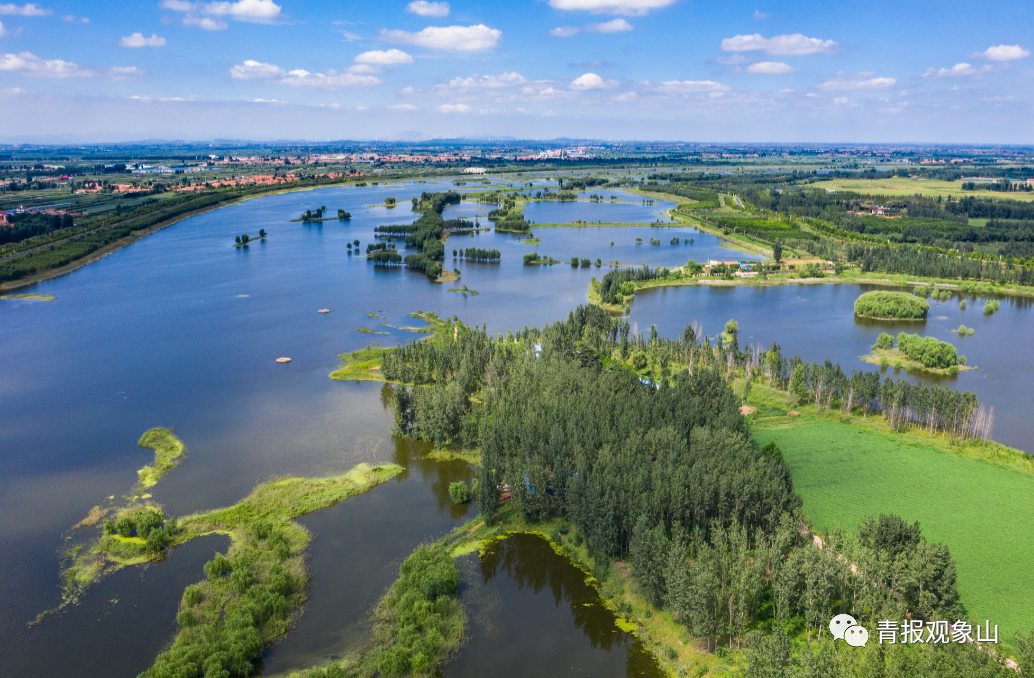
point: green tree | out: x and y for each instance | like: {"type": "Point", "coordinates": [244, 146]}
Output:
{"type": "Point", "coordinates": [798, 384]}
{"type": "Point", "coordinates": [777, 251]}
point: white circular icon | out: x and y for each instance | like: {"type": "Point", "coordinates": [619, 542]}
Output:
{"type": "Point", "coordinates": [839, 624]}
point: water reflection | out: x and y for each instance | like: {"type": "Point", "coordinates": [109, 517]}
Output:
{"type": "Point", "coordinates": [532, 614]}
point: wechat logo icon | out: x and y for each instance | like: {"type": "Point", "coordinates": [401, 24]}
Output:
{"type": "Point", "coordinates": [845, 627]}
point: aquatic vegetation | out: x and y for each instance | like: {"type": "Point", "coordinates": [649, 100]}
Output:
{"type": "Point", "coordinates": [168, 453]}
{"type": "Point", "coordinates": [28, 297]}
{"type": "Point", "coordinates": [464, 291]}
{"type": "Point", "coordinates": [891, 306]}
{"type": "Point", "coordinates": [459, 493]}
{"type": "Point", "coordinates": [991, 306]}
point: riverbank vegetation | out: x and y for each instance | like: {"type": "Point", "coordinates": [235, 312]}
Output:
{"type": "Point", "coordinates": [891, 306]}
{"type": "Point", "coordinates": [425, 233]}
{"type": "Point", "coordinates": [917, 353]}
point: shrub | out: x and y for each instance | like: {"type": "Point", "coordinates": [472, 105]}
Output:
{"type": "Point", "coordinates": [185, 618]}
{"type": "Point", "coordinates": [217, 567]}
{"type": "Point", "coordinates": [147, 520]}
{"type": "Point", "coordinates": [990, 306]}
{"type": "Point", "coordinates": [459, 493]}
{"type": "Point", "coordinates": [639, 360]}
{"type": "Point", "coordinates": [772, 451]}
{"type": "Point", "coordinates": [884, 341]}
{"type": "Point", "coordinates": [732, 326]}
{"type": "Point", "coordinates": [124, 526]}
{"type": "Point", "coordinates": [962, 305]}
{"type": "Point", "coordinates": [891, 306]}
{"type": "Point", "coordinates": [241, 580]}
{"type": "Point", "coordinates": [928, 350]}
{"type": "Point", "coordinates": [962, 360]}
{"type": "Point", "coordinates": [157, 540]}
{"type": "Point", "coordinates": [191, 596]}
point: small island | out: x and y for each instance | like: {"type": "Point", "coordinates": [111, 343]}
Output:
{"type": "Point", "coordinates": [891, 306]}
{"type": "Point", "coordinates": [916, 353]}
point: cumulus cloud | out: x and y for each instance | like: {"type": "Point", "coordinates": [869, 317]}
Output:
{"type": "Point", "coordinates": [454, 108]}
{"type": "Point", "coordinates": [424, 8]}
{"type": "Point", "coordinates": [255, 70]}
{"type": "Point", "coordinates": [459, 38]}
{"type": "Point", "coordinates": [30, 65]}
{"type": "Point", "coordinates": [858, 81]}
{"type": "Point", "coordinates": [1004, 53]}
{"type": "Point", "coordinates": [388, 57]}
{"type": "Point", "coordinates": [592, 81]}
{"type": "Point", "coordinates": [23, 10]}
{"type": "Point", "coordinates": [796, 44]}
{"type": "Point", "coordinates": [956, 71]}
{"type": "Point", "coordinates": [613, 26]}
{"type": "Point", "coordinates": [842, 101]}
{"type": "Point", "coordinates": [771, 68]}
{"type": "Point", "coordinates": [623, 7]}
{"type": "Point", "coordinates": [404, 107]}
{"type": "Point", "coordinates": [330, 79]}
{"type": "Point", "coordinates": [138, 40]}
{"type": "Point", "coordinates": [208, 15]}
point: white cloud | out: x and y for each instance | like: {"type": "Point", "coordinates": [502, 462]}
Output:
{"type": "Point", "coordinates": [626, 97]}
{"type": "Point", "coordinates": [795, 44]}
{"type": "Point", "coordinates": [255, 70]}
{"type": "Point", "coordinates": [488, 82]}
{"type": "Point", "coordinates": [24, 10]}
{"type": "Point", "coordinates": [404, 107]}
{"type": "Point", "coordinates": [958, 70]}
{"type": "Point", "coordinates": [856, 82]}
{"type": "Point", "coordinates": [613, 26]}
{"type": "Point", "coordinates": [138, 40]}
{"type": "Point", "coordinates": [331, 79]}
{"type": "Point", "coordinates": [454, 108]}
{"type": "Point", "coordinates": [124, 73]}
{"type": "Point", "coordinates": [592, 81]}
{"type": "Point", "coordinates": [384, 57]}
{"type": "Point", "coordinates": [771, 68]}
{"type": "Point", "coordinates": [205, 23]}
{"type": "Point", "coordinates": [424, 8]}
{"type": "Point", "coordinates": [759, 15]}
{"type": "Point", "coordinates": [208, 15]}
{"type": "Point", "coordinates": [12, 91]}
{"type": "Point", "coordinates": [842, 101]}
{"type": "Point", "coordinates": [1004, 53]}
{"type": "Point", "coordinates": [459, 38]}
{"type": "Point", "coordinates": [625, 7]}
{"type": "Point", "coordinates": [71, 18]}
{"type": "Point", "coordinates": [3, 31]}
{"type": "Point", "coordinates": [30, 65]}
{"type": "Point", "coordinates": [690, 87]}
{"type": "Point", "coordinates": [363, 68]}
{"type": "Point", "coordinates": [565, 31]}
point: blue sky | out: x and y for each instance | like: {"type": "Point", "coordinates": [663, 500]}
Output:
{"type": "Point", "coordinates": [803, 71]}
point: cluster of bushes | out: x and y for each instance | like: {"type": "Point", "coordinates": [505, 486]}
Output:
{"type": "Point", "coordinates": [991, 306]}
{"type": "Point", "coordinates": [536, 258]}
{"type": "Point", "coordinates": [927, 350]}
{"type": "Point", "coordinates": [144, 522]}
{"type": "Point", "coordinates": [613, 281]}
{"type": "Point", "coordinates": [891, 305]}
{"type": "Point", "coordinates": [420, 621]}
{"type": "Point", "coordinates": [247, 599]}
{"type": "Point", "coordinates": [385, 257]}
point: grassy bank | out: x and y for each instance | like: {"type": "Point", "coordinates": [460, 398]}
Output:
{"type": "Point", "coordinates": [168, 453]}
{"type": "Point", "coordinates": [892, 357]}
{"type": "Point", "coordinates": [976, 498]}
{"type": "Point", "coordinates": [251, 595]}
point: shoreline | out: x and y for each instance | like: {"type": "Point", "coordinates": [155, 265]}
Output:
{"type": "Point", "coordinates": [102, 252]}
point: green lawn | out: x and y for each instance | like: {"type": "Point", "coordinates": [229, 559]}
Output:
{"type": "Point", "coordinates": [981, 511]}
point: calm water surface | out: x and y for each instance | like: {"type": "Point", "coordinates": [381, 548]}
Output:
{"type": "Point", "coordinates": [532, 614]}
{"type": "Point", "coordinates": [182, 329]}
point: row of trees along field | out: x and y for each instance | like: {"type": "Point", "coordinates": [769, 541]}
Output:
{"type": "Point", "coordinates": [28, 224]}
{"type": "Point", "coordinates": [665, 474]}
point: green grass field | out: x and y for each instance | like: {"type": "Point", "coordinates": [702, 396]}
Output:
{"type": "Point", "coordinates": [980, 510]}
{"type": "Point", "coordinates": [902, 186]}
